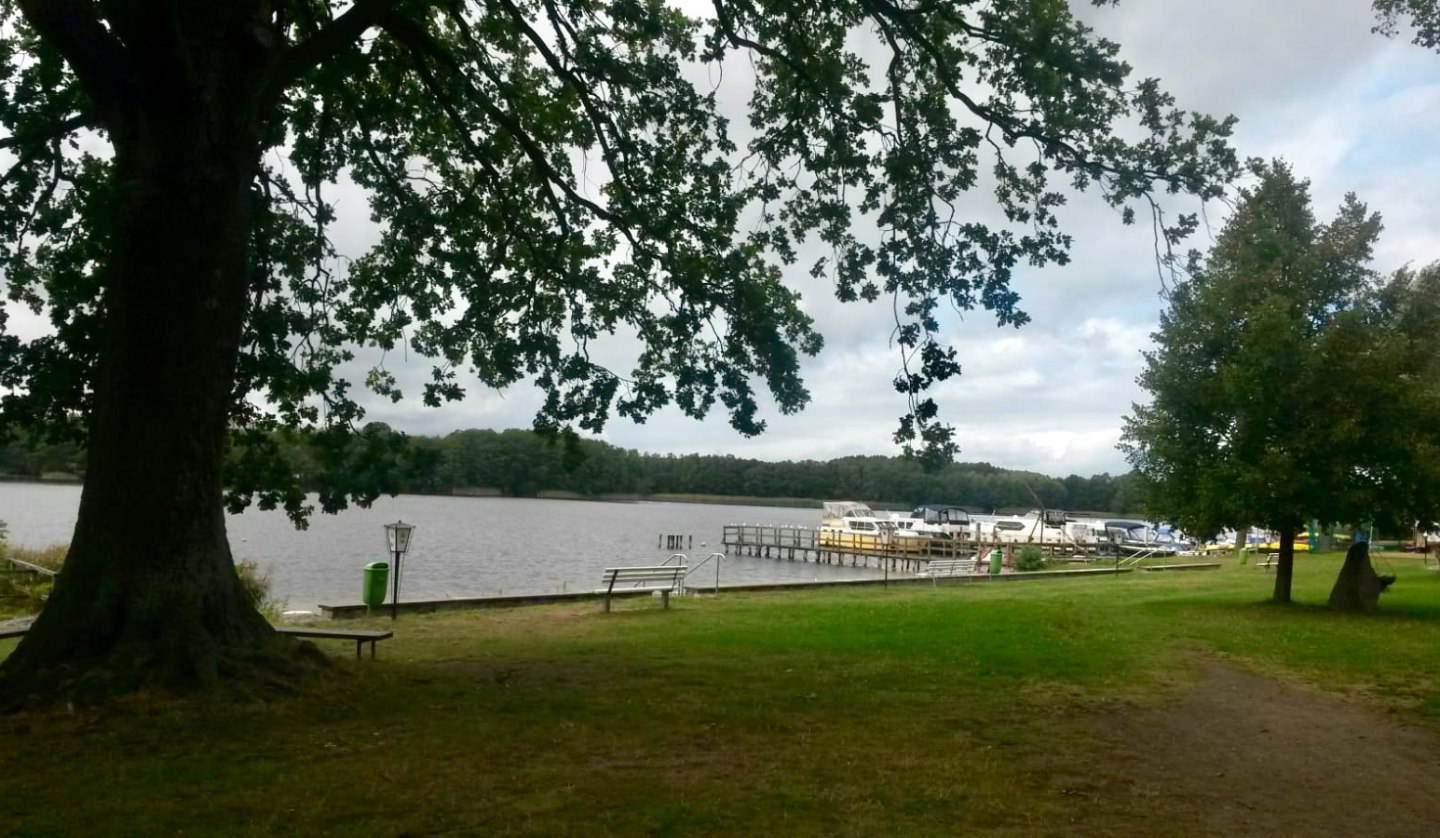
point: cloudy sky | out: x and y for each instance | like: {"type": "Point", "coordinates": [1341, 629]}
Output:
{"type": "Point", "coordinates": [1351, 110]}
{"type": "Point", "coordinates": [1309, 82]}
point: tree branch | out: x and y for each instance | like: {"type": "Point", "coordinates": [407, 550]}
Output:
{"type": "Point", "coordinates": [97, 57]}
{"type": "Point", "coordinates": [325, 43]}
{"type": "Point", "coordinates": [59, 129]}
{"type": "Point", "coordinates": [619, 164]}
{"type": "Point", "coordinates": [420, 44]}
{"type": "Point", "coordinates": [1056, 146]}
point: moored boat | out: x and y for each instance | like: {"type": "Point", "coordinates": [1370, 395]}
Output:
{"type": "Point", "coordinates": [1032, 528]}
{"type": "Point", "coordinates": [851, 525]}
{"type": "Point", "coordinates": [1137, 538]}
{"type": "Point", "coordinates": [944, 522]}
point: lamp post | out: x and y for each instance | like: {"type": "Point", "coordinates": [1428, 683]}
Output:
{"type": "Point", "coordinates": [397, 538]}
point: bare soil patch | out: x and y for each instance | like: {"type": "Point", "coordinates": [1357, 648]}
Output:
{"type": "Point", "coordinates": [1243, 754]}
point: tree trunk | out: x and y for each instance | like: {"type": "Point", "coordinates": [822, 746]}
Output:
{"type": "Point", "coordinates": [149, 592]}
{"type": "Point", "coordinates": [1358, 587]}
{"type": "Point", "coordinates": [1285, 569]}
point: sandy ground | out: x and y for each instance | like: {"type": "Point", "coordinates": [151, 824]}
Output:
{"type": "Point", "coordinates": [1243, 754]}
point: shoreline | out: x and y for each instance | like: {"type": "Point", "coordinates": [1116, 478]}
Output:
{"type": "Point", "coordinates": [353, 611]}
{"type": "Point", "coordinates": [490, 493]}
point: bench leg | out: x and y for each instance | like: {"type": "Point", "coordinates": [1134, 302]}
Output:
{"type": "Point", "coordinates": [358, 644]}
{"type": "Point", "coordinates": [665, 599]}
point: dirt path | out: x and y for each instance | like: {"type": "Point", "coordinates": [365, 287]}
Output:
{"type": "Point", "coordinates": [1242, 754]}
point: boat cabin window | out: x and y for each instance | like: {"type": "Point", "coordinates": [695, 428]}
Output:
{"type": "Point", "coordinates": [1009, 525]}
{"type": "Point", "coordinates": [863, 526]}
{"type": "Point", "coordinates": [941, 515]}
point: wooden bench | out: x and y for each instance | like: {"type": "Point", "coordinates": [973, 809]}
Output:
{"type": "Point", "coordinates": [662, 578]}
{"type": "Point", "coordinates": [360, 637]}
{"type": "Point", "coordinates": [950, 567]}
{"type": "Point", "coordinates": [27, 567]}
{"type": "Point", "coordinates": [1271, 559]}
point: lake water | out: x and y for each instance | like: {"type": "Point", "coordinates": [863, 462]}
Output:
{"type": "Point", "coordinates": [462, 546]}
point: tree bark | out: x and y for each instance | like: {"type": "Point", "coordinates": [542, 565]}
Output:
{"type": "Point", "coordinates": [1358, 587]}
{"type": "Point", "coordinates": [1285, 569]}
{"type": "Point", "coordinates": [149, 592]}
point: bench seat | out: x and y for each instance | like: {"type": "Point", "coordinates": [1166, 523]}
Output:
{"type": "Point", "coordinates": [359, 636]}
{"type": "Point", "coordinates": [950, 567]}
{"type": "Point", "coordinates": [662, 578]}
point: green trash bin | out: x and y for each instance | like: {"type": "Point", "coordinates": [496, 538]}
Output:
{"type": "Point", "coordinates": [377, 575]}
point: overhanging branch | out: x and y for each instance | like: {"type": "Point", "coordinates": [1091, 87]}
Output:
{"type": "Point", "coordinates": [421, 45]}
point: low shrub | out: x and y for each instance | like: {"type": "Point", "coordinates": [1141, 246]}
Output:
{"type": "Point", "coordinates": [1030, 558]}
{"type": "Point", "coordinates": [256, 584]}
{"type": "Point", "coordinates": [24, 593]}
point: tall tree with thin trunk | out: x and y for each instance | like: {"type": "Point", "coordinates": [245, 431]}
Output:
{"type": "Point", "coordinates": [542, 174]}
{"type": "Point", "coordinates": [1288, 382]}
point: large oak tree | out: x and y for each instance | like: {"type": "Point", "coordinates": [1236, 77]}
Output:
{"type": "Point", "coordinates": [542, 173]}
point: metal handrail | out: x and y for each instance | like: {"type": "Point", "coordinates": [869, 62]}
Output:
{"type": "Point", "coordinates": [685, 561]}
{"type": "Point", "coordinates": [718, 557]}
{"type": "Point", "coordinates": [1138, 555]}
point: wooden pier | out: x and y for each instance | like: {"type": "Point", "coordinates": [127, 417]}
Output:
{"type": "Point", "coordinates": [805, 544]}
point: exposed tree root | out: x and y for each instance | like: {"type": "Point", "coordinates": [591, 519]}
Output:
{"type": "Point", "coordinates": [271, 667]}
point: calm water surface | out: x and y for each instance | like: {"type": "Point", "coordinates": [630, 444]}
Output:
{"type": "Point", "coordinates": [462, 546]}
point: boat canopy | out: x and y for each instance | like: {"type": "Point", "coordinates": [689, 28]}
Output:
{"type": "Point", "coordinates": [833, 509]}
{"type": "Point", "coordinates": [1126, 525]}
{"type": "Point", "coordinates": [941, 513]}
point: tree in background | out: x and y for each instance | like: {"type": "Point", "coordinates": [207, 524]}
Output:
{"type": "Point", "coordinates": [543, 173]}
{"type": "Point", "coordinates": [1394, 410]}
{"type": "Point", "coordinates": [1287, 382]}
{"type": "Point", "coordinates": [1423, 14]}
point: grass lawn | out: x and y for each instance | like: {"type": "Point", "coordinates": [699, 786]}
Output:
{"type": "Point", "coordinates": [902, 712]}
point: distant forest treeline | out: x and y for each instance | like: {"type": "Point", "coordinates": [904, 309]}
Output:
{"type": "Point", "coordinates": [522, 463]}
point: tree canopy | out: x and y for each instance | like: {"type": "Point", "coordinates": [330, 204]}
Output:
{"type": "Point", "coordinates": [1288, 382]}
{"type": "Point", "coordinates": [542, 174]}
{"type": "Point", "coordinates": [1424, 15]}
